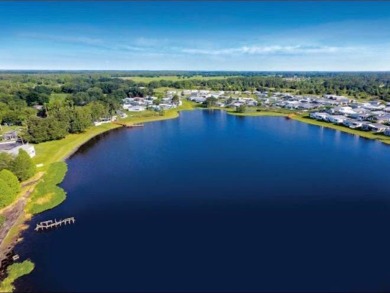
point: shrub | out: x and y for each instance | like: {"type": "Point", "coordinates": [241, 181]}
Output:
{"type": "Point", "coordinates": [23, 166]}
{"type": "Point", "coordinates": [11, 180]}
{"type": "Point", "coordinates": [5, 194]}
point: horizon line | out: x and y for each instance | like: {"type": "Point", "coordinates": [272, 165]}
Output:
{"type": "Point", "coordinates": [191, 70]}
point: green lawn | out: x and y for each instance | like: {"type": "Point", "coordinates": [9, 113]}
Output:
{"type": "Point", "coordinates": [15, 271]}
{"type": "Point", "coordinates": [57, 150]}
{"type": "Point", "coordinates": [47, 194]}
{"type": "Point", "coordinates": [163, 90]}
{"type": "Point", "coordinates": [51, 154]}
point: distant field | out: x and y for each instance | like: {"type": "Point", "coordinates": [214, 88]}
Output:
{"type": "Point", "coordinates": [171, 78]}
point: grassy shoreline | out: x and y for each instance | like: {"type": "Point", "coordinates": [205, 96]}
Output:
{"type": "Point", "coordinates": [47, 194]}
{"type": "Point", "coordinates": [54, 152]}
{"type": "Point", "coordinates": [305, 119]}
{"type": "Point", "coordinates": [369, 135]}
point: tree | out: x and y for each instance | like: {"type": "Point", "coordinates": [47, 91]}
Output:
{"type": "Point", "coordinates": [11, 180]}
{"type": "Point", "coordinates": [81, 118]}
{"type": "Point", "coordinates": [95, 93]}
{"type": "Point", "coordinates": [241, 109]}
{"type": "Point", "coordinates": [97, 110]}
{"type": "Point", "coordinates": [23, 166]}
{"type": "Point", "coordinates": [210, 102]}
{"type": "Point", "coordinates": [5, 161]}
{"type": "Point", "coordinates": [45, 129]}
{"type": "Point", "coordinates": [5, 194]}
{"type": "Point", "coordinates": [175, 100]}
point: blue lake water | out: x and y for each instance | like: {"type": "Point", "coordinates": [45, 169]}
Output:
{"type": "Point", "coordinates": [212, 202]}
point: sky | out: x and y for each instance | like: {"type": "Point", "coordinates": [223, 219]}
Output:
{"type": "Point", "coordinates": [186, 35]}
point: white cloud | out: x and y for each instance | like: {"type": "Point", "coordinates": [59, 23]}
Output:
{"type": "Point", "coordinates": [275, 49]}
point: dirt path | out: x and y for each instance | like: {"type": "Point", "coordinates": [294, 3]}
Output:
{"type": "Point", "coordinates": [14, 214]}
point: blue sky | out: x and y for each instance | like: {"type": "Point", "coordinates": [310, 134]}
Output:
{"type": "Point", "coordinates": [202, 35]}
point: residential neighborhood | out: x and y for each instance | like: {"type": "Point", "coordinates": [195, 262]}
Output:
{"type": "Point", "coordinates": [367, 116]}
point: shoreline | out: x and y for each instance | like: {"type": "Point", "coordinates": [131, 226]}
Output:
{"type": "Point", "coordinates": [68, 146]}
{"type": "Point", "coordinates": [20, 220]}
{"type": "Point", "coordinates": [297, 117]}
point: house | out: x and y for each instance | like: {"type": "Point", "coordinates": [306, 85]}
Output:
{"type": "Point", "coordinates": [121, 114]}
{"type": "Point", "coordinates": [319, 116]}
{"type": "Point", "coordinates": [136, 108]}
{"type": "Point", "coordinates": [199, 99]}
{"type": "Point", "coordinates": [357, 124]}
{"type": "Point", "coordinates": [13, 148]}
{"type": "Point", "coordinates": [382, 119]}
{"type": "Point", "coordinates": [348, 122]}
{"type": "Point", "coordinates": [375, 127]}
{"type": "Point", "coordinates": [337, 119]}
{"type": "Point", "coordinates": [10, 135]}
{"type": "Point", "coordinates": [345, 110]}
{"type": "Point", "coordinates": [306, 106]}
{"type": "Point", "coordinates": [387, 132]}
{"type": "Point", "coordinates": [105, 120]}
{"type": "Point", "coordinates": [352, 123]}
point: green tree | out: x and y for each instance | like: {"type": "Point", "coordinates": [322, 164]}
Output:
{"type": "Point", "coordinates": [11, 180]}
{"type": "Point", "coordinates": [5, 161]}
{"type": "Point", "coordinates": [241, 109]}
{"type": "Point", "coordinates": [95, 93]}
{"type": "Point", "coordinates": [5, 194]}
{"type": "Point", "coordinates": [23, 166]}
{"type": "Point", "coordinates": [210, 102]}
{"type": "Point", "coordinates": [81, 118]}
{"type": "Point", "coordinates": [45, 129]}
{"type": "Point", "coordinates": [175, 99]}
{"type": "Point", "coordinates": [97, 110]}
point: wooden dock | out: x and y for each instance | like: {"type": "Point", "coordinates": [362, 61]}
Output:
{"type": "Point", "coordinates": [128, 124]}
{"type": "Point", "coordinates": [42, 226]}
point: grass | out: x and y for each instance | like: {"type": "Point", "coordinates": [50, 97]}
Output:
{"type": "Point", "coordinates": [14, 272]}
{"type": "Point", "coordinates": [308, 120]}
{"type": "Point", "coordinates": [150, 116]}
{"type": "Point", "coordinates": [47, 194]}
{"type": "Point", "coordinates": [163, 90]}
{"type": "Point", "coordinates": [58, 150]}
{"type": "Point", "coordinates": [2, 220]}
{"type": "Point", "coordinates": [365, 134]}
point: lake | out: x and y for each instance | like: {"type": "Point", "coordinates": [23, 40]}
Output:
{"type": "Point", "coordinates": [214, 202]}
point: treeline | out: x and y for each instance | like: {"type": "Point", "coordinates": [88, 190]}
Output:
{"type": "Point", "coordinates": [354, 85]}
{"type": "Point", "coordinates": [22, 96]}
{"type": "Point", "coordinates": [60, 120]}
{"type": "Point", "coordinates": [52, 105]}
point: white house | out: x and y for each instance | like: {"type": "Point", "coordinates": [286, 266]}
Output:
{"type": "Point", "coordinates": [13, 148]}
